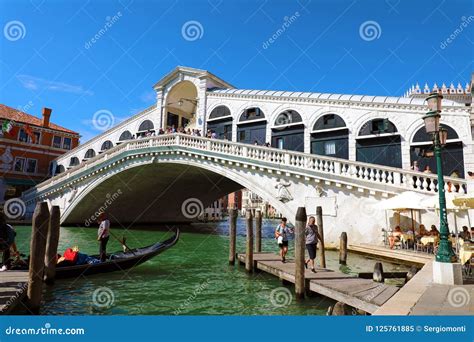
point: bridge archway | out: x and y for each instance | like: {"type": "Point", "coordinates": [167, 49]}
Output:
{"type": "Point", "coordinates": [421, 149]}
{"type": "Point", "coordinates": [330, 137]}
{"type": "Point", "coordinates": [106, 145]}
{"type": "Point", "coordinates": [220, 122]}
{"type": "Point", "coordinates": [126, 135]}
{"type": "Point", "coordinates": [288, 131]}
{"type": "Point", "coordinates": [252, 126]}
{"type": "Point", "coordinates": [181, 106]}
{"type": "Point", "coordinates": [74, 161]}
{"type": "Point", "coordinates": [150, 199]}
{"type": "Point", "coordinates": [379, 142]}
{"type": "Point", "coordinates": [90, 153]}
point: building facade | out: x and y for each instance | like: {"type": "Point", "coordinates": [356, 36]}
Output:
{"type": "Point", "coordinates": [28, 147]}
{"type": "Point", "coordinates": [381, 130]}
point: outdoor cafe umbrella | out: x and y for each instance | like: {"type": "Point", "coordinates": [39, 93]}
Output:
{"type": "Point", "coordinates": [407, 200]}
{"type": "Point", "coordinates": [465, 201]}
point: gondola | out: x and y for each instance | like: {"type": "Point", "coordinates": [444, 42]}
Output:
{"type": "Point", "coordinates": [118, 261]}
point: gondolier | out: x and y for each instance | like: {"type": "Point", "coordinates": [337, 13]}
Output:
{"type": "Point", "coordinates": [103, 235]}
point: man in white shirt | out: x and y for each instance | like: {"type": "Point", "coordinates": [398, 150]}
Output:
{"type": "Point", "coordinates": [103, 235]}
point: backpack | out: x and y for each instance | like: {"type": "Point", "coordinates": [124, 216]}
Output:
{"type": "Point", "coordinates": [7, 236]}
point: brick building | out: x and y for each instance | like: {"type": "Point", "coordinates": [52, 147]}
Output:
{"type": "Point", "coordinates": [28, 146]}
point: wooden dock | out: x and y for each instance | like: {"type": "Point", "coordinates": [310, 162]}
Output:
{"type": "Point", "coordinates": [408, 257]}
{"type": "Point", "coordinates": [13, 286]}
{"type": "Point", "coordinates": [363, 294]}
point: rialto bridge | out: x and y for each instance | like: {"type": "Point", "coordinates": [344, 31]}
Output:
{"type": "Point", "coordinates": [342, 152]}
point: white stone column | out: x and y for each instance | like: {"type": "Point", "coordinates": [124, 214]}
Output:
{"type": "Point", "coordinates": [352, 147]}
{"type": "Point", "coordinates": [201, 110]}
{"type": "Point", "coordinates": [159, 111]}
{"type": "Point", "coordinates": [268, 132]}
{"type": "Point", "coordinates": [307, 139]}
{"type": "Point", "coordinates": [405, 149]}
{"type": "Point", "coordinates": [234, 130]}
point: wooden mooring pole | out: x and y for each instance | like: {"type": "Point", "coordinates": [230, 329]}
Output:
{"type": "Point", "coordinates": [52, 245]}
{"type": "Point", "coordinates": [378, 273]}
{"type": "Point", "coordinates": [300, 224]}
{"type": "Point", "coordinates": [343, 249]}
{"type": "Point", "coordinates": [319, 223]}
{"type": "Point", "coordinates": [249, 244]}
{"type": "Point", "coordinates": [232, 235]}
{"type": "Point", "coordinates": [37, 254]}
{"type": "Point", "coordinates": [258, 231]}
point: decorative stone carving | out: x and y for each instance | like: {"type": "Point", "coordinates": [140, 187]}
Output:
{"type": "Point", "coordinates": [319, 191]}
{"type": "Point", "coordinates": [283, 195]}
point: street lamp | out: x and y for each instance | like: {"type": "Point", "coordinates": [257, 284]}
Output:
{"type": "Point", "coordinates": [439, 135]}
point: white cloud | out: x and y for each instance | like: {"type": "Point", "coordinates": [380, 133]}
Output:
{"type": "Point", "coordinates": [36, 83]}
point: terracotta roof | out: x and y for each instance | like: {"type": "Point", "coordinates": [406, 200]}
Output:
{"type": "Point", "coordinates": [16, 115]}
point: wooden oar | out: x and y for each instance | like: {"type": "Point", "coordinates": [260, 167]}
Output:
{"type": "Point", "coordinates": [122, 242]}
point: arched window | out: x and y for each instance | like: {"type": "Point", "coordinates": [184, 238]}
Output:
{"type": "Point", "coordinates": [288, 117]}
{"type": "Point", "coordinates": [126, 135]}
{"type": "Point", "coordinates": [220, 122]}
{"type": "Point", "coordinates": [73, 161]}
{"type": "Point", "coordinates": [106, 145]}
{"type": "Point", "coordinates": [60, 169]}
{"type": "Point", "coordinates": [421, 152]}
{"type": "Point", "coordinates": [379, 143]}
{"type": "Point", "coordinates": [89, 154]}
{"type": "Point", "coordinates": [251, 114]}
{"type": "Point", "coordinates": [422, 136]}
{"type": "Point", "coordinates": [146, 125]}
{"type": "Point", "coordinates": [378, 126]}
{"type": "Point", "coordinates": [329, 121]}
{"type": "Point", "coordinates": [330, 137]}
{"type": "Point", "coordinates": [251, 128]}
{"type": "Point", "coordinates": [219, 112]}
{"type": "Point", "coordinates": [288, 131]}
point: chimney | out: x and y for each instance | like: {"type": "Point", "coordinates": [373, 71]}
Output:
{"type": "Point", "coordinates": [46, 116]}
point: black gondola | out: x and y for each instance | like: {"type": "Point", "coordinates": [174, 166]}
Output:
{"type": "Point", "coordinates": [118, 261]}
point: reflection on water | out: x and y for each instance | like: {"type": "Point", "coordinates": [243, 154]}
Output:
{"type": "Point", "coordinates": [192, 278]}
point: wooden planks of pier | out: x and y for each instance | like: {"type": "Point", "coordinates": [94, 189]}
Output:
{"type": "Point", "coordinates": [406, 256]}
{"type": "Point", "coordinates": [363, 294]}
{"type": "Point", "coordinates": [13, 286]}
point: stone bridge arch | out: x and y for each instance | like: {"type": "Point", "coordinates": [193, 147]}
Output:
{"type": "Point", "coordinates": [155, 190]}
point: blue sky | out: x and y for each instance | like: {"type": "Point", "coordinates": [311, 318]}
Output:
{"type": "Point", "coordinates": [47, 57]}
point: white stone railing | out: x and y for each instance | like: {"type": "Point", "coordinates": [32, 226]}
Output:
{"type": "Point", "coordinates": [286, 161]}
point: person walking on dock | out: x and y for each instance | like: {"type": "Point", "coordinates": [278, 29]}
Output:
{"type": "Point", "coordinates": [7, 242]}
{"type": "Point", "coordinates": [103, 235]}
{"type": "Point", "coordinates": [312, 238]}
{"type": "Point", "coordinates": [281, 234]}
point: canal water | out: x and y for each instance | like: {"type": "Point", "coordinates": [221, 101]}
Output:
{"type": "Point", "coordinates": [191, 278]}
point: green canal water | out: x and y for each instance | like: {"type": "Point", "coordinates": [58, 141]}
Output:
{"type": "Point", "coordinates": [192, 278]}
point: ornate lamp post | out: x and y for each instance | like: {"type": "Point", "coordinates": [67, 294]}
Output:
{"type": "Point", "coordinates": [445, 251]}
